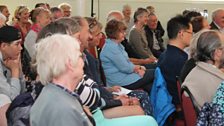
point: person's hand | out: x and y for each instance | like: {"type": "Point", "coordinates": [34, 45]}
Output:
{"type": "Point", "coordinates": [124, 100]}
{"type": "Point", "coordinates": [137, 68]}
{"type": "Point", "coordinates": [13, 65]}
{"type": "Point", "coordinates": [134, 101]}
{"type": "Point", "coordinates": [141, 73]}
{"type": "Point", "coordinates": [115, 89]}
{"type": "Point", "coordinates": [87, 110]}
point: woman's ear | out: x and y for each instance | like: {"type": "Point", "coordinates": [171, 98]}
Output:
{"type": "Point", "coordinates": [69, 65]}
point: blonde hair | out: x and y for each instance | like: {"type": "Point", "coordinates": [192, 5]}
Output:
{"type": "Point", "coordinates": [19, 10]}
{"type": "Point", "coordinates": [53, 52]}
{"type": "Point", "coordinates": [64, 6]}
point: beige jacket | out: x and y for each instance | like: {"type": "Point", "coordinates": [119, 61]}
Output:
{"type": "Point", "coordinates": [203, 82]}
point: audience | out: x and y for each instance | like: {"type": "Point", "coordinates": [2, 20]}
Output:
{"type": "Point", "coordinates": [124, 58]}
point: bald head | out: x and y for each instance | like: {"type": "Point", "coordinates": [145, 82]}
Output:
{"type": "Point", "coordinates": [218, 17]}
{"type": "Point", "coordinates": [117, 15]}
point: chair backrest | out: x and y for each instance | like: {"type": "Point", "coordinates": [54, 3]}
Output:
{"type": "Point", "coordinates": [189, 107]}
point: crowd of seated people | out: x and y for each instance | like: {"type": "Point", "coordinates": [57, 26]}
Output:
{"type": "Point", "coordinates": [92, 76]}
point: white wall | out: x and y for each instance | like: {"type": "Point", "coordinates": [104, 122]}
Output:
{"type": "Point", "coordinates": [164, 8]}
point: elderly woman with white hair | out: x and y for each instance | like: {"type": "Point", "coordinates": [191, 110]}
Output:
{"type": "Point", "coordinates": [58, 104]}
{"type": "Point", "coordinates": [2, 20]}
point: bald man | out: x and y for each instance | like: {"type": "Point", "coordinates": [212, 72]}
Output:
{"type": "Point", "coordinates": [218, 20]}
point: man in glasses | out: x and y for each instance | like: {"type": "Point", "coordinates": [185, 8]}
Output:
{"type": "Point", "coordinates": [172, 60]}
{"type": "Point", "coordinates": [10, 68]}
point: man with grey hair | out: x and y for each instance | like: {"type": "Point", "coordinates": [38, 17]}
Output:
{"type": "Point", "coordinates": [154, 36]}
{"type": "Point", "coordinates": [218, 20]}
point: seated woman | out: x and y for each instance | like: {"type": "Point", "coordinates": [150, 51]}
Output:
{"type": "Point", "coordinates": [204, 79]}
{"type": "Point", "coordinates": [58, 104]}
{"type": "Point", "coordinates": [93, 67]}
{"type": "Point", "coordinates": [118, 69]}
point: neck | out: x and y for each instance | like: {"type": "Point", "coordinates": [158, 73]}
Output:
{"type": "Point", "coordinates": [138, 26]}
{"type": "Point", "coordinates": [65, 81]}
{"type": "Point", "coordinates": [116, 41]}
{"type": "Point", "coordinates": [22, 24]}
{"type": "Point", "coordinates": [177, 43]}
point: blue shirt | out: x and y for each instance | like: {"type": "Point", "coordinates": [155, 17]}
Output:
{"type": "Point", "coordinates": [116, 65]}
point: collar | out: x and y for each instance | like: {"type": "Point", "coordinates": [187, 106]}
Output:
{"type": "Point", "coordinates": [211, 69]}
{"type": "Point", "coordinates": [217, 26]}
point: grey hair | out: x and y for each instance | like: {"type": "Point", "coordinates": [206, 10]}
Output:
{"type": "Point", "coordinates": [207, 43]}
{"type": "Point", "coordinates": [72, 24]}
{"type": "Point", "coordinates": [215, 12]}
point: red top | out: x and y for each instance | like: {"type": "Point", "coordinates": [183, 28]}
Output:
{"type": "Point", "coordinates": [23, 34]}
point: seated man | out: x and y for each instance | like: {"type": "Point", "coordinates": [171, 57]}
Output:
{"type": "Point", "coordinates": [154, 36]}
{"type": "Point", "coordinates": [172, 60]}
{"type": "Point", "coordinates": [10, 68]}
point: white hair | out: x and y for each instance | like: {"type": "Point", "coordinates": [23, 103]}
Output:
{"type": "Point", "coordinates": [53, 53]}
{"type": "Point", "coordinates": [215, 12]}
